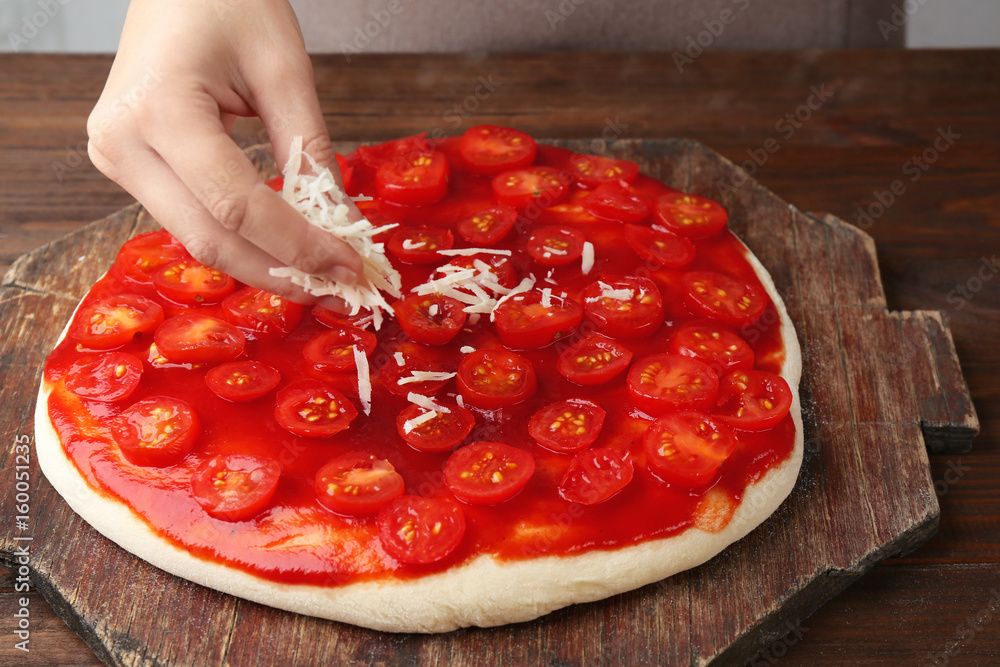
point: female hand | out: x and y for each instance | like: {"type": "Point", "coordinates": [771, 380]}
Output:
{"type": "Point", "coordinates": [185, 70]}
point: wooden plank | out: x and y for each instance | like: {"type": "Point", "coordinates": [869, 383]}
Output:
{"type": "Point", "coordinates": [858, 459]}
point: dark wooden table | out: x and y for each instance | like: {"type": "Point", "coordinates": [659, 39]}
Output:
{"type": "Point", "coordinates": [836, 131]}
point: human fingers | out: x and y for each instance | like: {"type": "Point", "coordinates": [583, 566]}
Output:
{"type": "Point", "coordinates": [229, 189]}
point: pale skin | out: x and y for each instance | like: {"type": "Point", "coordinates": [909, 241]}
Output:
{"type": "Point", "coordinates": [185, 70]}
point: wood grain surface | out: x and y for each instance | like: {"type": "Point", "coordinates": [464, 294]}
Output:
{"type": "Point", "coordinates": [866, 475]}
{"type": "Point", "coordinates": [935, 244]}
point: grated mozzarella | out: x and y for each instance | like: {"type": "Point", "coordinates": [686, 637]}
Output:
{"type": "Point", "coordinates": [364, 379]}
{"type": "Point", "coordinates": [426, 376]}
{"type": "Point", "coordinates": [422, 418]}
{"type": "Point", "coordinates": [524, 286]}
{"type": "Point", "coordinates": [473, 251]}
{"type": "Point", "coordinates": [319, 199]}
{"type": "Point", "coordinates": [426, 402]}
{"type": "Point", "coordinates": [467, 349]}
{"type": "Point", "coordinates": [587, 258]}
{"type": "Point", "coordinates": [400, 359]}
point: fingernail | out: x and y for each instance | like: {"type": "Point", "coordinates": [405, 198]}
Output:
{"type": "Point", "coordinates": [345, 275]}
{"type": "Point", "coordinates": [334, 303]}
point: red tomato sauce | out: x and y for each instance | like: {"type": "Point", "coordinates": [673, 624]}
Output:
{"type": "Point", "coordinates": [297, 540]}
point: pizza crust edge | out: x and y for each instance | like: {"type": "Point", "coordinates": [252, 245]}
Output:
{"type": "Point", "coordinates": [481, 592]}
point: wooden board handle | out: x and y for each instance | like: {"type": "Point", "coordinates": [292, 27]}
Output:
{"type": "Point", "coordinates": [914, 369]}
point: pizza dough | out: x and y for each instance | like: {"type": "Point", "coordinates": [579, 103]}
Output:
{"type": "Point", "coordinates": [483, 592]}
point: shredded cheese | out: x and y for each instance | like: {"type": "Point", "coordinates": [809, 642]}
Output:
{"type": "Point", "coordinates": [473, 251]}
{"type": "Point", "coordinates": [426, 376]}
{"type": "Point", "coordinates": [426, 402]}
{"type": "Point", "coordinates": [400, 359]}
{"type": "Point", "coordinates": [364, 379]}
{"type": "Point", "coordinates": [587, 258]}
{"type": "Point", "coordinates": [467, 349]}
{"type": "Point", "coordinates": [524, 286]}
{"type": "Point", "coordinates": [608, 292]}
{"type": "Point", "coordinates": [422, 418]}
{"type": "Point", "coordinates": [321, 201]}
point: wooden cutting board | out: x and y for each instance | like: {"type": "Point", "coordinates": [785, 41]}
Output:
{"type": "Point", "coordinates": [879, 390]}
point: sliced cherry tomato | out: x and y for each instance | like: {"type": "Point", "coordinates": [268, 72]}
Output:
{"type": "Point", "coordinates": [255, 310]}
{"type": "Point", "coordinates": [116, 320]}
{"type": "Point", "coordinates": [569, 212]}
{"type": "Point", "coordinates": [593, 359]}
{"type": "Point", "coordinates": [690, 215]}
{"type": "Point", "coordinates": [715, 345]}
{"type": "Point", "coordinates": [398, 374]}
{"type": "Point", "coordinates": [492, 379]}
{"type": "Point", "coordinates": [501, 268]}
{"type": "Point", "coordinates": [334, 350]}
{"type": "Point", "coordinates": [624, 307]}
{"type": "Point", "coordinates": [613, 201]}
{"type": "Point", "coordinates": [591, 171]}
{"type": "Point", "coordinates": [444, 431]}
{"type": "Point", "coordinates": [313, 409]}
{"type": "Point", "coordinates": [491, 149]}
{"type": "Point", "coordinates": [191, 282]}
{"type": "Point", "coordinates": [418, 531]}
{"type": "Point", "coordinates": [488, 226]}
{"type": "Point", "coordinates": [333, 319]}
{"type": "Point", "coordinates": [658, 247]}
{"type": "Point", "coordinates": [242, 381]}
{"type": "Point", "coordinates": [374, 156]}
{"type": "Point", "coordinates": [414, 179]}
{"type": "Point", "coordinates": [194, 338]}
{"type": "Point", "coordinates": [556, 246]}
{"type": "Point", "coordinates": [356, 484]}
{"type": "Point", "coordinates": [487, 473]}
{"type": "Point", "coordinates": [277, 183]}
{"type": "Point", "coordinates": [567, 426]}
{"type": "Point", "coordinates": [596, 475]}
{"type": "Point", "coordinates": [108, 377]}
{"type": "Point", "coordinates": [156, 432]}
{"type": "Point", "coordinates": [420, 245]}
{"type": "Point", "coordinates": [542, 186]}
{"type": "Point", "coordinates": [233, 487]}
{"type": "Point", "coordinates": [720, 297]}
{"type": "Point", "coordinates": [432, 319]}
{"type": "Point", "coordinates": [687, 447]}
{"type": "Point", "coordinates": [141, 256]}
{"type": "Point", "coordinates": [662, 382]}
{"type": "Point", "coordinates": [534, 319]}
{"type": "Point", "coordinates": [346, 171]}
{"type": "Point", "coordinates": [753, 400]}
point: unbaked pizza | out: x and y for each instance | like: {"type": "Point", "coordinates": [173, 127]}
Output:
{"type": "Point", "coordinates": [552, 383]}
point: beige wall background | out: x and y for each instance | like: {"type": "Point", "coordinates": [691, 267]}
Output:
{"type": "Point", "coordinates": [347, 26]}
